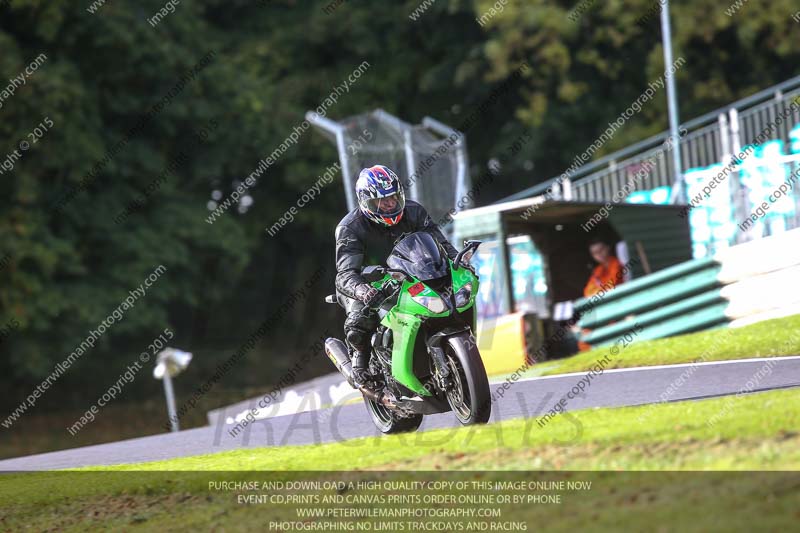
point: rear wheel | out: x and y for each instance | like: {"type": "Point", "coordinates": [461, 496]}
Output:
{"type": "Point", "coordinates": [469, 398]}
{"type": "Point", "coordinates": [388, 421]}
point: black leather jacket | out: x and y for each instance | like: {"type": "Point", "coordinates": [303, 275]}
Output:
{"type": "Point", "coordinates": [361, 242]}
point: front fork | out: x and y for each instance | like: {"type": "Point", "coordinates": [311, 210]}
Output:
{"type": "Point", "coordinates": [441, 374]}
{"type": "Point", "coordinates": [442, 369]}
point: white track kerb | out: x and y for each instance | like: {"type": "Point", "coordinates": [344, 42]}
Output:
{"type": "Point", "coordinates": [84, 346]}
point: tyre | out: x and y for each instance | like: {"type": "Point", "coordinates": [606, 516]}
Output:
{"type": "Point", "coordinates": [389, 422]}
{"type": "Point", "coordinates": [470, 398]}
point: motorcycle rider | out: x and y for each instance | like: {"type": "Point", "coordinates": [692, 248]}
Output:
{"type": "Point", "coordinates": [366, 236]}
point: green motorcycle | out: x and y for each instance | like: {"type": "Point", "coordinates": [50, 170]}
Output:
{"type": "Point", "coordinates": [424, 356]}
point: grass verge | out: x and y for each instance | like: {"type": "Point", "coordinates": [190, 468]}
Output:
{"type": "Point", "coordinates": [749, 432]}
{"type": "Point", "coordinates": [728, 433]}
{"type": "Point", "coordinates": [771, 338]}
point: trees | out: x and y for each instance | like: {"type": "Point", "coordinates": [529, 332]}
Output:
{"type": "Point", "coordinates": [154, 120]}
{"type": "Point", "coordinates": [589, 64]}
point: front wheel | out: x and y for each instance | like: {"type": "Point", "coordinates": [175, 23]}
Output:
{"type": "Point", "coordinates": [469, 398]}
{"type": "Point", "coordinates": [389, 422]}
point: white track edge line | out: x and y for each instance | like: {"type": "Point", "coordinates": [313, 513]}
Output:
{"type": "Point", "coordinates": [656, 367]}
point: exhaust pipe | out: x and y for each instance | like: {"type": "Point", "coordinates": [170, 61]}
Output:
{"type": "Point", "coordinates": [379, 397]}
{"type": "Point", "coordinates": [337, 353]}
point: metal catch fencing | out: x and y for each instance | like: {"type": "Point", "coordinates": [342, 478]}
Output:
{"type": "Point", "coordinates": [430, 158]}
{"type": "Point", "coordinates": [644, 171]}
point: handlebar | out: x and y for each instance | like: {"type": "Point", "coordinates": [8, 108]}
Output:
{"type": "Point", "coordinates": [388, 288]}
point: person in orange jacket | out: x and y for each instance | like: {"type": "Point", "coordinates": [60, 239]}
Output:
{"type": "Point", "coordinates": [607, 274]}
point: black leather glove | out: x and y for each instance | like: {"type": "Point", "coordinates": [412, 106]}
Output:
{"type": "Point", "coordinates": [369, 295]}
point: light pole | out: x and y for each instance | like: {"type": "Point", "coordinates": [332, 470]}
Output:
{"type": "Point", "coordinates": [672, 104]}
{"type": "Point", "coordinates": [169, 363]}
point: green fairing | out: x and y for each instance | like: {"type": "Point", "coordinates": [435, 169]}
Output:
{"type": "Point", "coordinates": [403, 319]}
{"type": "Point", "coordinates": [461, 277]}
{"type": "Point", "coordinates": [404, 328]}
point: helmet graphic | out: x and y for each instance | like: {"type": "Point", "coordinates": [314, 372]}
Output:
{"type": "Point", "coordinates": [380, 195]}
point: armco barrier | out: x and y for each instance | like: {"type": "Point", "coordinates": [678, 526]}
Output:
{"type": "Point", "coordinates": [740, 285]}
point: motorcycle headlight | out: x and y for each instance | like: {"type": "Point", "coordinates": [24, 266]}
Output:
{"type": "Point", "coordinates": [434, 304]}
{"type": "Point", "coordinates": [463, 294]}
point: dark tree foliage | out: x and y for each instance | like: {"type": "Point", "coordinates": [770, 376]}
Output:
{"type": "Point", "coordinates": [253, 69]}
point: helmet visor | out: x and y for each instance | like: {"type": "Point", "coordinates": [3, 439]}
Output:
{"type": "Point", "coordinates": [388, 206]}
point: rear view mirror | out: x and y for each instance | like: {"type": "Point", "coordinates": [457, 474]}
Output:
{"type": "Point", "coordinates": [465, 255]}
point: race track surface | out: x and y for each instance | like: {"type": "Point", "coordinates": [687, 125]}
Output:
{"type": "Point", "coordinates": [524, 399]}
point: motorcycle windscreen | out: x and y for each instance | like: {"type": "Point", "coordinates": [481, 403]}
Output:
{"type": "Point", "coordinates": [419, 255]}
